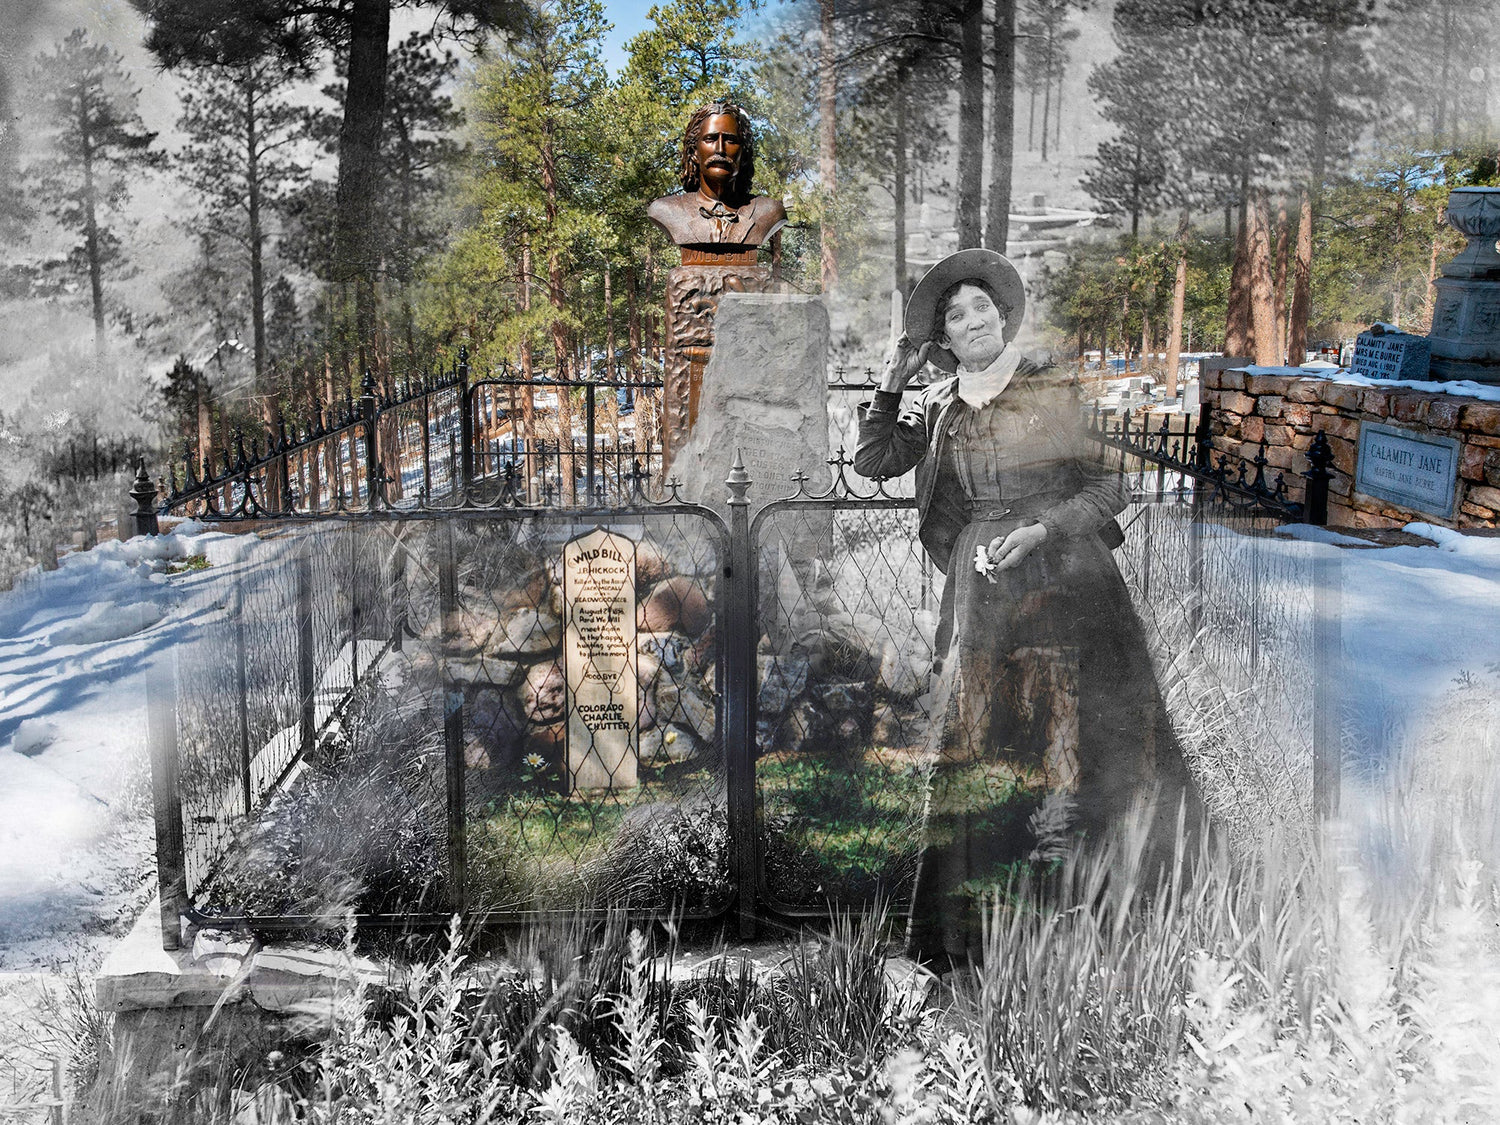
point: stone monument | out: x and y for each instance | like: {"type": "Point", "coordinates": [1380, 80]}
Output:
{"type": "Point", "coordinates": [1466, 313]}
{"type": "Point", "coordinates": [765, 398]}
{"type": "Point", "coordinates": [719, 225]}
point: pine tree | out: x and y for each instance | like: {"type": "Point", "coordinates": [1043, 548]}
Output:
{"type": "Point", "coordinates": [96, 141]}
{"type": "Point", "coordinates": [235, 31]}
{"type": "Point", "coordinates": [238, 160]}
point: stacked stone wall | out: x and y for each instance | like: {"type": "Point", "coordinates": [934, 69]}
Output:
{"type": "Point", "coordinates": [1286, 411]}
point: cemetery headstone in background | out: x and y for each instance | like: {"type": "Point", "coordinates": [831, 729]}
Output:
{"type": "Point", "coordinates": [1386, 353]}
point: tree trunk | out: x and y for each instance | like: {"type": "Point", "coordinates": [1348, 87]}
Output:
{"type": "Point", "coordinates": [1262, 305]}
{"type": "Point", "coordinates": [528, 401]}
{"type": "Point", "coordinates": [898, 190]}
{"type": "Point", "coordinates": [252, 206]}
{"type": "Point", "coordinates": [970, 124]}
{"type": "Point", "coordinates": [827, 132]}
{"type": "Point", "coordinates": [1238, 331]}
{"type": "Point", "coordinates": [632, 325]}
{"type": "Point", "coordinates": [1002, 126]}
{"type": "Point", "coordinates": [1179, 301]}
{"type": "Point", "coordinates": [609, 324]}
{"type": "Point", "coordinates": [1278, 284]}
{"type": "Point", "coordinates": [357, 241]}
{"type": "Point", "coordinates": [91, 245]}
{"type": "Point", "coordinates": [1296, 337]}
{"type": "Point", "coordinates": [1046, 115]}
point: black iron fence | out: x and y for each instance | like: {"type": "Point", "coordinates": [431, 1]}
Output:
{"type": "Point", "coordinates": [440, 436]}
{"type": "Point", "coordinates": [383, 724]}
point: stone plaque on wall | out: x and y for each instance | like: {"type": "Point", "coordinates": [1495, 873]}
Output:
{"type": "Point", "coordinates": [599, 654]}
{"type": "Point", "coordinates": [1414, 470]}
{"type": "Point", "coordinates": [1383, 354]}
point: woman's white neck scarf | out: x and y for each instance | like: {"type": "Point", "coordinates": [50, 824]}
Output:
{"type": "Point", "coordinates": [977, 388]}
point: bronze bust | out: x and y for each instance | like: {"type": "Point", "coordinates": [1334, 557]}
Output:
{"type": "Point", "coordinates": [716, 209]}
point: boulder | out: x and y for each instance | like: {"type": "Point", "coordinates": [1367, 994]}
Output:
{"type": "Point", "coordinates": [526, 632]}
{"type": "Point", "coordinates": [888, 730]}
{"type": "Point", "coordinates": [676, 604]}
{"type": "Point", "coordinates": [544, 692]}
{"type": "Point", "coordinates": [496, 723]}
{"type": "Point", "coordinates": [679, 701]}
{"type": "Point", "coordinates": [651, 565]}
{"type": "Point", "coordinates": [905, 667]}
{"type": "Point", "coordinates": [782, 679]}
{"type": "Point", "coordinates": [668, 649]}
{"type": "Point", "coordinates": [669, 743]}
{"type": "Point", "coordinates": [806, 727]}
{"type": "Point", "coordinates": [841, 698]}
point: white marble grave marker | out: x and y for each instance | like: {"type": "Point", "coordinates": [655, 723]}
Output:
{"type": "Point", "coordinates": [599, 654]}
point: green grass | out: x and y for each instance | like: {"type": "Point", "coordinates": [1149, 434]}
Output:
{"type": "Point", "coordinates": [846, 828]}
{"type": "Point", "coordinates": [191, 563]}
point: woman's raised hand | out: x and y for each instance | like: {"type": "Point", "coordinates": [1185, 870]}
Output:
{"type": "Point", "coordinates": [903, 361]}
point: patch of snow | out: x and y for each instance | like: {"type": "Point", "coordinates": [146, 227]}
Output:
{"type": "Point", "coordinates": [225, 550]}
{"type": "Point", "coordinates": [33, 736]}
{"type": "Point", "coordinates": [1311, 533]}
{"type": "Point", "coordinates": [1481, 547]}
{"type": "Point", "coordinates": [107, 621]}
{"type": "Point", "coordinates": [1465, 388]}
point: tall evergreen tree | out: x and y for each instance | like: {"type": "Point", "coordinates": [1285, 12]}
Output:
{"type": "Point", "coordinates": [96, 141]}
{"type": "Point", "coordinates": [232, 31]}
{"type": "Point", "coordinates": [239, 160]}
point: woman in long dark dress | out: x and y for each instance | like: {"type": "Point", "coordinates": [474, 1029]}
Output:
{"type": "Point", "coordinates": [1046, 685]}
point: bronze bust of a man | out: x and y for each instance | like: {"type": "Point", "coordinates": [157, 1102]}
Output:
{"type": "Point", "coordinates": [716, 209]}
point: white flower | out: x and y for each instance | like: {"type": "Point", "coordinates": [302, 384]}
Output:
{"type": "Point", "coordinates": [983, 564]}
{"type": "Point", "coordinates": [535, 761]}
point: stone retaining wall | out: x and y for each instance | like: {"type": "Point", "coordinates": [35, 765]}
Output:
{"type": "Point", "coordinates": [1286, 410]}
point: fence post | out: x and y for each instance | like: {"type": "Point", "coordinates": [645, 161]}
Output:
{"type": "Point", "coordinates": [426, 444]}
{"type": "Point", "coordinates": [354, 611]}
{"type": "Point", "coordinates": [306, 676]}
{"type": "Point", "coordinates": [143, 492]}
{"type": "Point", "coordinates": [1328, 678]}
{"type": "Point", "coordinates": [166, 800]}
{"type": "Point", "coordinates": [1319, 473]}
{"type": "Point", "coordinates": [369, 413]}
{"type": "Point", "coordinates": [242, 687]}
{"type": "Point", "coordinates": [589, 441]}
{"type": "Point", "coordinates": [739, 633]}
{"type": "Point", "coordinates": [465, 420]}
{"type": "Point", "coordinates": [1203, 436]}
{"type": "Point", "coordinates": [453, 725]}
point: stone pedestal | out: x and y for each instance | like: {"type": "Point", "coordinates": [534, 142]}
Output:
{"type": "Point", "coordinates": [1466, 313]}
{"type": "Point", "coordinates": [694, 290]}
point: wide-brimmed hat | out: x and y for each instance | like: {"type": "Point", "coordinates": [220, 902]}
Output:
{"type": "Point", "coordinates": [967, 265]}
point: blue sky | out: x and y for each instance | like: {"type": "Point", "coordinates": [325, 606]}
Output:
{"type": "Point", "coordinates": [629, 17]}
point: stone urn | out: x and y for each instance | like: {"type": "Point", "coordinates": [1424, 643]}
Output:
{"type": "Point", "coordinates": [1465, 332]}
{"type": "Point", "coordinates": [1475, 213]}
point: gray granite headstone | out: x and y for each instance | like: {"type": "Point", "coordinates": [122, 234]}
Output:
{"type": "Point", "coordinates": [764, 396]}
{"type": "Point", "coordinates": [1384, 354]}
{"type": "Point", "coordinates": [1406, 467]}
{"type": "Point", "coordinates": [1192, 394]}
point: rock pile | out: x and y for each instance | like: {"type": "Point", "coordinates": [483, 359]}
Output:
{"type": "Point", "coordinates": [504, 656]}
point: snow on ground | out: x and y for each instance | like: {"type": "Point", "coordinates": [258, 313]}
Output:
{"type": "Point", "coordinates": [76, 647]}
